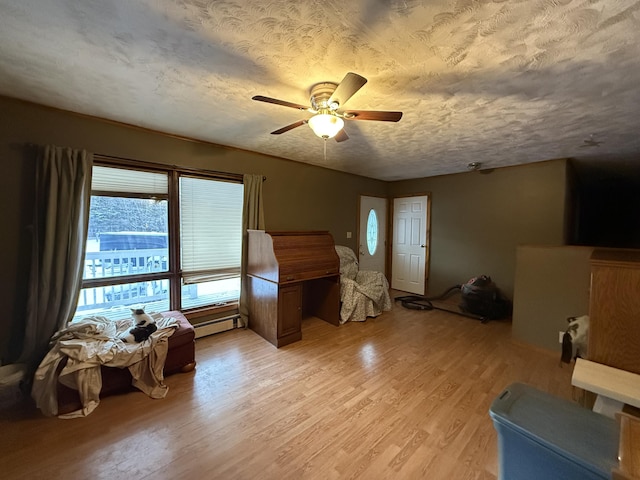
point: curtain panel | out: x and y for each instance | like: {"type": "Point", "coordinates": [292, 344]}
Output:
{"type": "Point", "coordinates": [252, 219]}
{"type": "Point", "coordinates": [60, 222]}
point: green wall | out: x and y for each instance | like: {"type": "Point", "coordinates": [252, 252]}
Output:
{"type": "Point", "coordinates": [297, 196]}
{"type": "Point", "coordinates": [479, 218]}
{"type": "Point", "coordinates": [552, 284]}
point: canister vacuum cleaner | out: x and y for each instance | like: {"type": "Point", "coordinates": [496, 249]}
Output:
{"type": "Point", "coordinates": [480, 299]}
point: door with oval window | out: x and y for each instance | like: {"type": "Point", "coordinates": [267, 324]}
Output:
{"type": "Point", "coordinates": [372, 234]}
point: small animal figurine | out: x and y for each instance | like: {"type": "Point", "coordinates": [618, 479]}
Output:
{"type": "Point", "coordinates": [145, 325]}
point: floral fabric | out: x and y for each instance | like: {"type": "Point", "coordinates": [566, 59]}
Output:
{"type": "Point", "coordinates": [363, 293]}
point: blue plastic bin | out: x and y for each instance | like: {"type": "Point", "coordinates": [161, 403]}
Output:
{"type": "Point", "coordinates": [542, 437]}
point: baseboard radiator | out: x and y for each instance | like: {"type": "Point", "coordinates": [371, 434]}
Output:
{"type": "Point", "coordinates": [216, 326]}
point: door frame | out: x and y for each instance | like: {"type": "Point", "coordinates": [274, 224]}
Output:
{"type": "Point", "coordinates": [390, 227]}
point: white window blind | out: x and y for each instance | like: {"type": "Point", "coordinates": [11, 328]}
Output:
{"type": "Point", "coordinates": [110, 179]}
{"type": "Point", "coordinates": [210, 228]}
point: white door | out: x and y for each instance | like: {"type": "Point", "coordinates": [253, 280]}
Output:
{"type": "Point", "coordinates": [372, 234]}
{"type": "Point", "coordinates": [410, 246]}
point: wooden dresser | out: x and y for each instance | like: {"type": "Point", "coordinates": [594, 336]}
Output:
{"type": "Point", "coordinates": [614, 349]}
{"type": "Point", "coordinates": [289, 275]}
{"type": "Point", "coordinates": [614, 309]}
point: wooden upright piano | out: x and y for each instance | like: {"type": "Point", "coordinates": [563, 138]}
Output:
{"type": "Point", "coordinates": [291, 275]}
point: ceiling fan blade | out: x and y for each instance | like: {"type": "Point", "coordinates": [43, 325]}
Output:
{"type": "Point", "coordinates": [372, 115]}
{"type": "Point", "coordinates": [350, 84]}
{"type": "Point", "coordinates": [275, 101]}
{"type": "Point", "coordinates": [341, 136]}
{"type": "Point", "coordinates": [289, 127]}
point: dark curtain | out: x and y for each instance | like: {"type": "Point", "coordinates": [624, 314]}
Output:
{"type": "Point", "coordinates": [61, 217]}
{"type": "Point", "coordinates": [252, 219]}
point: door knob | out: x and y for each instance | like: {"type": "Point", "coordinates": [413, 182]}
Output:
{"type": "Point", "coordinates": [423, 245]}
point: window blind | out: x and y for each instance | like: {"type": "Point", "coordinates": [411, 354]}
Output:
{"type": "Point", "coordinates": [111, 179]}
{"type": "Point", "coordinates": [210, 229]}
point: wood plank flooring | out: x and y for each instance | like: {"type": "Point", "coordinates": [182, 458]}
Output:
{"type": "Point", "coordinates": [402, 396]}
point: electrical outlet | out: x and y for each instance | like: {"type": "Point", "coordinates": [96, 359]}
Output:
{"type": "Point", "coordinates": [560, 335]}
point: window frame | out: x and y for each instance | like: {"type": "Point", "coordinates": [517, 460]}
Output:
{"type": "Point", "coordinates": [174, 273]}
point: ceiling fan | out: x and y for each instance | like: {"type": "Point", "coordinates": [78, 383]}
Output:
{"type": "Point", "coordinates": [327, 102]}
{"type": "Point", "coordinates": [591, 142]}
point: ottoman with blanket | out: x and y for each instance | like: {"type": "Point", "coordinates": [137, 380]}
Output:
{"type": "Point", "coordinates": [175, 336]}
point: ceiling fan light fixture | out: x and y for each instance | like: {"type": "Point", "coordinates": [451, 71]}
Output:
{"type": "Point", "coordinates": [327, 99]}
{"type": "Point", "coordinates": [474, 166]}
{"type": "Point", "coordinates": [326, 125]}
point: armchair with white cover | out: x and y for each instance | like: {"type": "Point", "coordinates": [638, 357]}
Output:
{"type": "Point", "coordinates": [363, 293]}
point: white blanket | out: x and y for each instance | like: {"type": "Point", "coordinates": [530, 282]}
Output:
{"type": "Point", "coordinates": [93, 342]}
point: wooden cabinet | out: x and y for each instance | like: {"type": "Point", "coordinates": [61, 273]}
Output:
{"type": "Point", "coordinates": [629, 449]}
{"type": "Point", "coordinates": [614, 309]}
{"type": "Point", "coordinates": [291, 274]}
{"type": "Point", "coordinates": [290, 310]}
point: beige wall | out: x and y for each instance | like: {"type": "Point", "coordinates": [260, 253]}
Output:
{"type": "Point", "coordinates": [478, 219]}
{"type": "Point", "coordinates": [552, 284]}
{"type": "Point", "coordinates": [297, 196]}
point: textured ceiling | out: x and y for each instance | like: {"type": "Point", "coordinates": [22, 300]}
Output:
{"type": "Point", "coordinates": [497, 82]}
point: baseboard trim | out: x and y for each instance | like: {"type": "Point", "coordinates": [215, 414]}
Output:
{"type": "Point", "coordinates": [218, 325]}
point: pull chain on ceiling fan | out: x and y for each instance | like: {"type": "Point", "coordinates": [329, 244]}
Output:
{"type": "Point", "coordinates": [327, 98]}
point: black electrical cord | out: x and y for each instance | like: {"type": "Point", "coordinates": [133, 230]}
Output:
{"type": "Point", "coordinates": [419, 302]}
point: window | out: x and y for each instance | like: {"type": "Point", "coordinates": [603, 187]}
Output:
{"type": "Point", "coordinates": [372, 232]}
{"type": "Point", "coordinates": [162, 247]}
{"type": "Point", "coordinates": [211, 240]}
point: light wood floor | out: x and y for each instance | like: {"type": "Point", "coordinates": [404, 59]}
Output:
{"type": "Point", "coordinates": [402, 396]}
